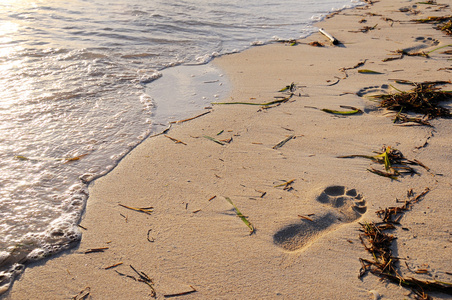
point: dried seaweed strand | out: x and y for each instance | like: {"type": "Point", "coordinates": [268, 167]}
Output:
{"type": "Point", "coordinates": [193, 290]}
{"type": "Point", "coordinates": [189, 119]}
{"type": "Point", "coordinates": [384, 264]}
{"type": "Point", "coordinates": [95, 250]}
{"type": "Point", "coordinates": [145, 278]}
{"type": "Point", "coordinates": [113, 266]}
{"type": "Point", "coordinates": [283, 142]}
{"type": "Point", "coordinates": [146, 210]}
{"type": "Point", "coordinates": [83, 294]}
{"type": "Point", "coordinates": [175, 140]}
{"type": "Point", "coordinates": [242, 217]}
{"type": "Point", "coordinates": [258, 104]}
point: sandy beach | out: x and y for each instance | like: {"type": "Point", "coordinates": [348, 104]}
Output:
{"type": "Point", "coordinates": [279, 165]}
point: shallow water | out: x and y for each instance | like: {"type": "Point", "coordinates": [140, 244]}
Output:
{"type": "Point", "coordinates": [79, 91]}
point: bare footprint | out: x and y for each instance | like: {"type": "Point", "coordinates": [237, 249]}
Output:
{"type": "Point", "coordinates": [377, 89]}
{"type": "Point", "coordinates": [422, 43]}
{"type": "Point", "coordinates": [346, 206]}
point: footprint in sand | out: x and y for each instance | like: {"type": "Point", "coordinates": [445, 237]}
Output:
{"type": "Point", "coordinates": [380, 89]}
{"type": "Point", "coordinates": [346, 206]}
{"type": "Point", "coordinates": [422, 43]}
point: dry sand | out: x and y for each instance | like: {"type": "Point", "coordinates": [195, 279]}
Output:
{"type": "Point", "coordinates": [189, 242]}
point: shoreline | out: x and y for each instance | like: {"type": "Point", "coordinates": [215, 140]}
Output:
{"type": "Point", "coordinates": [191, 241]}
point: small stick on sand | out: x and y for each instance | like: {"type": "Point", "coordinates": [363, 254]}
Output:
{"type": "Point", "coordinates": [94, 250]}
{"type": "Point", "coordinates": [189, 119]}
{"type": "Point", "coordinates": [175, 140]}
{"type": "Point", "coordinates": [283, 142]}
{"type": "Point", "coordinates": [83, 294]}
{"type": "Point", "coordinates": [112, 266]}
{"type": "Point", "coordinates": [193, 290]}
{"type": "Point", "coordinates": [306, 218]}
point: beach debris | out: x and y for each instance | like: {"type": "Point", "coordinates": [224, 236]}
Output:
{"type": "Point", "coordinates": [329, 36]}
{"type": "Point", "coordinates": [113, 266]}
{"type": "Point", "coordinates": [424, 98]}
{"type": "Point", "coordinates": [142, 277]}
{"type": "Point", "coordinates": [267, 104]}
{"type": "Point", "coordinates": [291, 42]}
{"type": "Point", "coordinates": [365, 29]}
{"type": "Point", "coordinates": [241, 216]}
{"type": "Point", "coordinates": [69, 159]}
{"type": "Point", "coordinates": [443, 23]}
{"type": "Point", "coordinates": [392, 215]}
{"type": "Point", "coordinates": [193, 290]}
{"type": "Point", "coordinates": [82, 227]}
{"type": "Point", "coordinates": [366, 71]}
{"type": "Point", "coordinates": [289, 88]}
{"type": "Point", "coordinates": [316, 44]}
{"type": "Point", "coordinates": [375, 294]}
{"type": "Point", "coordinates": [391, 21]}
{"type": "Point", "coordinates": [189, 119]}
{"type": "Point", "coordinates": [146, 210]}
{"type": "Point", "coordinates": [352, 111]}
{"type": "Point", "coordinates": [211, 198]}
{"type": "Point", "coordinates": [214, 140]}
{"type": "Point", "coordinates": [334, 83]}
{"type": "Point", "coordinates": [96, 250]}
{"type": "Point", "coordinates": [408, 121]}
{"type": "Point", "coordinates": [21, 157]}
{"type": "Point", "coordinates": [401, 53]}
{"type": "Point", "coordinates": [83, 294]}
{"type": "Point", "coordinates": [395, 163]}
{"type": "Point", "coordinates": [64, 159]}
{"type": "Point", "coordinates": [175, 140]}
{"type": "Point", "coordinates": [359, 64]}
{"type": "Point", "coordinates": [306, 218]}
{"type": "Point", "coordinates": [431, 2]}
{"type": "Point", "coordinates": [283, 142]}
{"type": "Point", "coordinates": [286, 184]}
{"type": "Point", "coordinates": [148, 236]}
{"type": "Point", "coordinates": [384, 264]}
{"type": "Point", "coordinates": [125, 218]}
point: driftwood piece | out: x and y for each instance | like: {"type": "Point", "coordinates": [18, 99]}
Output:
{"type": "Point", "coordinates": [329, 36]}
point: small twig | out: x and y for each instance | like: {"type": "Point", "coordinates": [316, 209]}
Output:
{"type": "Point", "coordinates": [193, 290]}
{"type": "Point", "coordinates": [146, 210]}
{"type": "Point", "coordinates": [283, 142]}
{"type": "Point", "coordinates": [175, 140]}
{"type": "Point", "coordinates": [83, 294]}
{"type": "Point", "coordinates": [113, 266]}
{"type": "Point", "coordinates": [94, 250]}
{"type": "Point", "coordinates": [306, 218]}
{"type": "Point", "coordinates": [189, 119]}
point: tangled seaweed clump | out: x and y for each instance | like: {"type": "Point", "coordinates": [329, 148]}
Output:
{"type": "Point", "coordinates": [423, 99]}
{"type": "Point", "coordinates": [383, 263]}
{"type": "Point", "coordinates": [395, 163]}
{"type": "Point", "coordinates": [444, 23]}
{"type": "Point", "coordinates": [447, 28]}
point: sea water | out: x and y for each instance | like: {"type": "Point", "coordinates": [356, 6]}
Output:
{"type": "Point", "coordinates": [77, 79]}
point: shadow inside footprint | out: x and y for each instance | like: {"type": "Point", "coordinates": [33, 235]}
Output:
{"type": "Point", "coordinates": [345, 206]}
